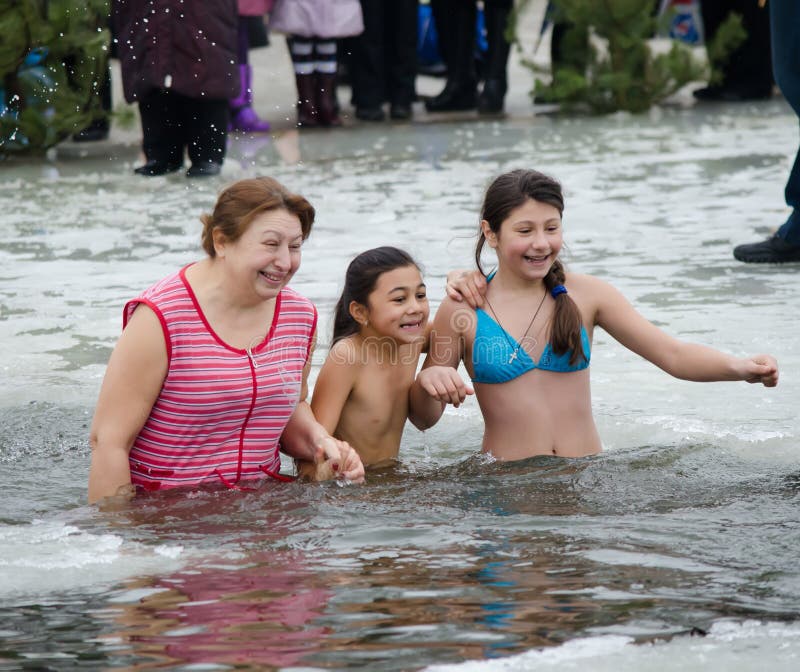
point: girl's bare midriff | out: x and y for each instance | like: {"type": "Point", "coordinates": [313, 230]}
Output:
{"type": "Point", "coordinates": [539, 413]}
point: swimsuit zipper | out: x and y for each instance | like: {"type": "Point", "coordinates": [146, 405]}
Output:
{"type": "Point", "coordinates": [252, 358]}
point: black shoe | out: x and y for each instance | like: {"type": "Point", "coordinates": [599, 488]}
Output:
{"type": "Point", "coordinates": [370, 113]}
{"type": "Point", "coordinates": [491, 99]}
{"type": "Point", "coordinates": [773, 250]}
{"type": "Point", "coordinates": [400, 111]}
{"type": "Point", "coordinates": [453, 98]}
{"type": "Point", "coordinates": [97, 130]}
{"type": "Point", "coordinates": [727, 94]}
{"type": "Point", "coordinates": [155, 167]}
{"type": "Point", "coordinates": [206, 169]}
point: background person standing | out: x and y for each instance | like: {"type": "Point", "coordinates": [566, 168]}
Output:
{"type": "Point", "coordinates": [783, 246]}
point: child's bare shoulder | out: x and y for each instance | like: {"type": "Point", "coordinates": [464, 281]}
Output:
{"type": "Point", "coordinates": [345, 353]}
{"type": "Point", "coordinates": [581, 282]}
{"type": "Point", "coordinates": [457, 315]}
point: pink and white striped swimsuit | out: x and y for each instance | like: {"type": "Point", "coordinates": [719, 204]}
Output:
{"type": "Point", "coordinates": [221, 411]}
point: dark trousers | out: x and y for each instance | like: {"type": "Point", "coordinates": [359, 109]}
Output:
{"type": "Point", "coordinates": [171, 121]}
{"type": "Point", "coordinates": [748, 68]}
{"type": "Point", "coordinates": [785, 25]}
{"type": "Point", "coordinates": [455, 28]}
{"type": "Point", "coordinates": [456, 31]}
{"type": "Point", "coordinates": [383, 62]}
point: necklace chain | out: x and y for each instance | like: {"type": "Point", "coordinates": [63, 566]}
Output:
{"type": "Point", "coordinates": [518, 344]}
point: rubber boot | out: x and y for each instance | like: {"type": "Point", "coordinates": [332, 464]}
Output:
{"type": "Point", "coordinates": [460, 91]}
{"type": "Point", "coordinates": [327, 109]}
{"type": "Point", "coordinates": [205, 123]}
{"type": "Point", "coordinates": [306, 99]}
{"type": "Point", "coordinates": [243, 116]}
{"type": "Point", "coordinates": [495, 83]}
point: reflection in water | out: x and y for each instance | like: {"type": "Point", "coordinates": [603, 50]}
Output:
{"type": "Point", "coordinates": [257, 612]}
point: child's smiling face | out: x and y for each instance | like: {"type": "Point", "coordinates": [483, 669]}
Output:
{"type": "Point", "coordinates": [398, 306]}
{"type": "Point", "coordinates": [529, 240]}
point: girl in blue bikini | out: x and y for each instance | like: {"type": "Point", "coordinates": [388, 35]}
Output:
{"type": "Point", "coordinates": [528, 349]}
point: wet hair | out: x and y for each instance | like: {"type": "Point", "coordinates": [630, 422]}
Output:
{"type": "Point", "coordinates": [359, 282]}
{"type": "Point", "coordinates": [243, 201]}
{"type": "Point", "coordinates": [508, 192]}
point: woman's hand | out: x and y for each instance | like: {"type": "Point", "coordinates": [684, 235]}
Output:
{"type": "Point", "coordinates": [761, 369]}
{"type": "Point", "coordinates": [340, 458]}
{"type": "Point", "coordinates": [444, 384]}
{"type": "Point", "coordinates": [469, 286]}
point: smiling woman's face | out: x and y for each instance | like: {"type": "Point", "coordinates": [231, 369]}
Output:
{"type": "Point", "coordinates": [266, 255]}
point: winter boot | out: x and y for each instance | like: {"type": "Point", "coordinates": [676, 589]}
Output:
{"type": "Point", "coordinates": [243, 116]}
{"type": "Point", "coordinates": [459, 92]}
{"type": "Point", "coordinates": [327, 109]}
{"type": "Point", "coordinates": [306, 99]}
{"type": "Point", "coordinates": [495, 83]}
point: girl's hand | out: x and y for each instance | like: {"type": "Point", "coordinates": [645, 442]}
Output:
{"type": "Point", "coordinates": [338, 458]}
{"type": "Point", "coordinates": [761, 369]}
{"type": "Point", "coordinates": [444, 384]}
{"type": "Point", "coordinates": [469, 286]}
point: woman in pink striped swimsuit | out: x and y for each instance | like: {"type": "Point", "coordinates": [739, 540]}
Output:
{"type": "Point", "coordinates": [208, 380]}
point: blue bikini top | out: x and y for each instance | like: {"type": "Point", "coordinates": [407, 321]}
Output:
{"type": "Point", "coordinates": [495, 360]}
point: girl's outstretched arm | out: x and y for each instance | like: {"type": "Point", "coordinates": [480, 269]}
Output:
{"type": "Point", "coordinates": [433, 389]}
{"type": "Point", "coordinates": [688, 361]}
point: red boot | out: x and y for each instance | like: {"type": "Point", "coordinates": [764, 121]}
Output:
{"type": "Point", "coordinates": [327, 105]}
{"type": "Point", "coordinates": [307, 113]}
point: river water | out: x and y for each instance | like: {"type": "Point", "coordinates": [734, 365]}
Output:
{"type": "Point", "coordinates": [687, 524]}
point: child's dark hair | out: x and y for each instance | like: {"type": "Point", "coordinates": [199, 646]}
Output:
{"type": "Point", "coordinates": [507, 192]}
{"type": "Point", "coordinates": [359, 281]}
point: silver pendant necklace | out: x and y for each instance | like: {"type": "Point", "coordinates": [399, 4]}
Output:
{"type": "Point", "coordinates": [511, 342]}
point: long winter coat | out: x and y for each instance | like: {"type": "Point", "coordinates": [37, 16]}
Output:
{"type": "Point", "coordinates": [190, 47]}
{"type": "Point", "coordinates": [327, 19]}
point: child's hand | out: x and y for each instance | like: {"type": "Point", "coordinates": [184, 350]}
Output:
{"type": "Point", "coordinates": [337, 459]}
{"type": "Point", "coordinates": [761, 369]}
{"type": "Point", "coordinates": [444, 384]}
{"type": "Point", "coordinates": [466, 285]}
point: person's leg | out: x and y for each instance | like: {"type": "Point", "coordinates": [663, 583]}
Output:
{"type": "Point", "coordinates": [400, 34]}
{"type": "Point", "coordinates": [161, 133]}
{"type": "Point", "coordinates": [751, 65]}
{"type": "Point", "coordinates": [460, 91]}
{"type": "Point", "coordinates": [440, 12]}
{"type": "Point", "coordinates": [242, 115]}
{"type": "Point", "coordinates": [785, 25]}
{"type": "Point", "coordinates": [746, 72]}
{"type": "Point", "coordinates": [367, 70]}
{"type": "Point", "coordinates": [206, 124]}
{"type": "Point", "coordinates": [495, 85]}
{"type": "Point", "coordinates": [325, 70]}
{"type": "Point", "coordinates": [301, 50]}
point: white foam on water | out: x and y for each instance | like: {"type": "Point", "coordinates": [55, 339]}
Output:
{"type": "Point", "coordinates": [50, 556]}
{"type": "Point", "coordinates": [730, 646]}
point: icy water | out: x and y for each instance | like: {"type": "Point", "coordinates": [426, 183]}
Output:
{"type": "Point", "coordinates": [687, 523]}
